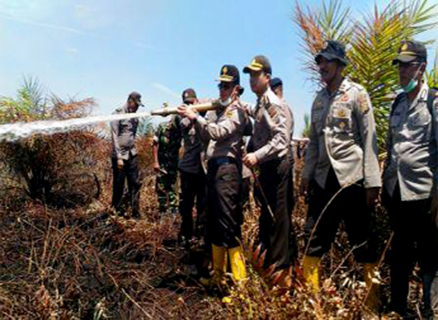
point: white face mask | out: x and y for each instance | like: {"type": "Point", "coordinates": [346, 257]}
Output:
{"type": "Point", "coordinates": [225, 103]}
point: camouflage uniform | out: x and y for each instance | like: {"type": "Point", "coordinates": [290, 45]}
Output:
{"type": "Point", "coordinates": [168, 139]}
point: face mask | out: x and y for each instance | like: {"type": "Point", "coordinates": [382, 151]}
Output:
{"type": "Point", "coordinates": [226, 102]}
{"type": "Point", "coordinates": [413, 83]}
{"type": "Point", "coordinates": [410, 86]}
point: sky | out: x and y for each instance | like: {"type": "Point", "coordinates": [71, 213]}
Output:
{"type": "Point", "coordinates": [107, 48]}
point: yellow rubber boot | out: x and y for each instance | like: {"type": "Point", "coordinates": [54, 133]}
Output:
{"type": "Point", "coordinates": [219, 257]}
{"type": "Point", "coordinates": [311, 271]}
{"type": "Point", "coordinates": [373, 287]}
{"type": "Point", "coordinates": [237, 262]}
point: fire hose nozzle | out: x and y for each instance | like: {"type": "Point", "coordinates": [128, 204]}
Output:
{"type": "Point", "coordinates": [201, 107]}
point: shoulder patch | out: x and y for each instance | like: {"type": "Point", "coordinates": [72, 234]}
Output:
{"type": "Point", "coordinates": [317, 104]}
{"type": "Point", "coordinates": [363, 103]}
{"type": "Point", "coordinates": [273, 113]}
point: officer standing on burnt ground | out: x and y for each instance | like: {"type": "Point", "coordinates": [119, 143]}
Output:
{"type": "Point", "coordinates": [192, 176]}
{"type": "Point", "coordinates": [124, 156]}
{"type": "Point", "coordinates": [223, 130]}
{"type": "Point", "coordinates": [269, 149]}
{"type": "Point", "coordinates": [341, 169]}
{"type": "Point", "coordinates": [411, 181]}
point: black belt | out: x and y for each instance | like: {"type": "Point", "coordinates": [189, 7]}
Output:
{"type": "Point", "coordinates": [217, 162]}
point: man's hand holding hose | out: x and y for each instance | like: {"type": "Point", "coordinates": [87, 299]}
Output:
{"type": "Point", "coordinates": [185, 111]}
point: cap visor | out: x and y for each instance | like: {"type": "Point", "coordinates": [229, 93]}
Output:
{"type": "Point", "coordinates": [404, 59]}
{"type": "Point", "coordinates": [248, 69]}
{"type": "Point", "coordinates": [223, 79]}
{"type": "Point", "coordinates": [189, 100]}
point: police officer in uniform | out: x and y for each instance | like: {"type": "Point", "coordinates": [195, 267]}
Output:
{"type": "Point", "coordinates": [269, 149]}
{"type": "Point", "coordinates": [192, 174]}
{"type": "Point", "coordinates": [124, 156]}
{"type": "Point", "coordinates": [411, 179]}
{"type": "Point", "coordinates": [166, 145]}
{"type": "Point", "coordinates": [341, 163]}
{"type": "Point", "coordinates": [224, 129]}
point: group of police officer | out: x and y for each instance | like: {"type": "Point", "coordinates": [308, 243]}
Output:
{"type": "Point", "coordinates": [341, 177]}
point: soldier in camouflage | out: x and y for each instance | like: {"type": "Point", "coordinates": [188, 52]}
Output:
{"type": "Point", "coordinates": [166, 145]}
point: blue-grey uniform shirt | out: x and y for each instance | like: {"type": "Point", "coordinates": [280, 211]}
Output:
{"type": "Point", "coordinates": [123, 134]}
{"type": "Point", "coordinates": [273, 127]}
{"type": "Point", "coordinates": [412, 148]}
{"type": "Point", "coordinates": [343, 136]}
{"type": "Point", "coordinates": [191, 161]}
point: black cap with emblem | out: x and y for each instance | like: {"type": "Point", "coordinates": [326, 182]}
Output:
{"type": "Point", "coordinates": [334, 50]}
{"type": "Point", "coordinates": [189, 96]}
{"type": "Point", "coordinates": [411, 51]}
{"type": "Point", "coordinates": [230, 73]}
{"type": "Point", "coordinates": [259, 63]}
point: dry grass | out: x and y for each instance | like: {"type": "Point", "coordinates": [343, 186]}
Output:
{"type": "Point", "coordinates": [85, 263]}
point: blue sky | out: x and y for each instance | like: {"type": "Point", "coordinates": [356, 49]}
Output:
{"type": "Point", "coordinates": [107, 48]}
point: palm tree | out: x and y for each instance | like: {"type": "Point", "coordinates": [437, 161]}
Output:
{"type": "Point", "coordinates": [372, 42]}
{"type": "Point", "coordinates": [306, 131]}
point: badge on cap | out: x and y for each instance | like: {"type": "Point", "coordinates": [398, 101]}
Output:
{"type": "Point", "coordinates": [404, 47]}
{"type": "Point", "coordinates": [225, 70]}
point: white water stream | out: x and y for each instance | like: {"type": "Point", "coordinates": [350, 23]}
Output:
{"type": "Point", "coordinates": [19, 130]}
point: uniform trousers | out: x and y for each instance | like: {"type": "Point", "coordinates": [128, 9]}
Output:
{"type": "Point", "coordinates": [415, 239]}
{"type": "Point", "coordinates": [348, 206]}
{"type": "Point", "coordinates": [129, 172]}
{"type": "Point", "coordinates": [274, 191]}
{"type": "Point", "coordinates": [192, 187]}
{"type": "Point", "coordinates": [165, 188]}
{"type": "Point", "coordinates": [224, 212]}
